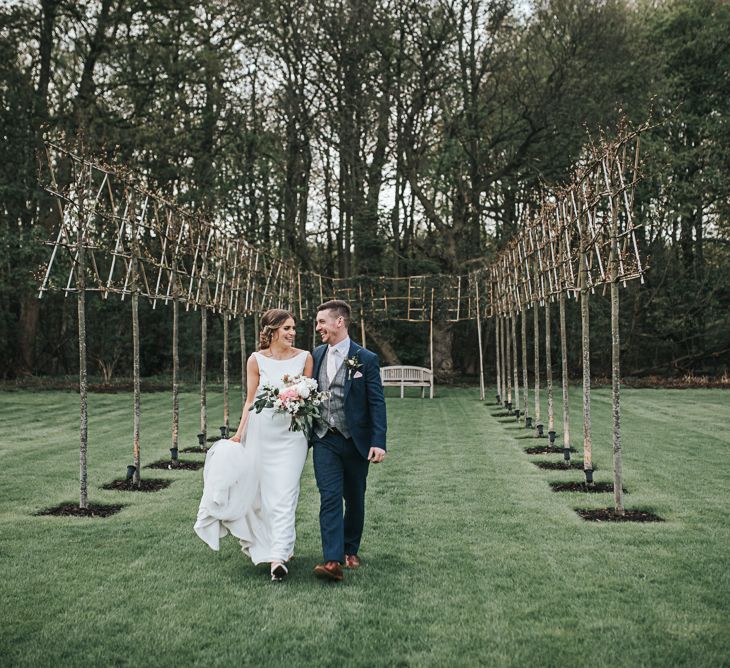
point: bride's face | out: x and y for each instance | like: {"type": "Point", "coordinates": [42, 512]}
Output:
{"type": "Point", "coordinates": [286, 334]}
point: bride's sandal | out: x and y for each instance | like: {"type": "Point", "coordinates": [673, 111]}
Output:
{"type": "Point", "coordinates": [278, 571]}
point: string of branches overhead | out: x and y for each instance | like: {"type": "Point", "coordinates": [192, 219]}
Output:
{"type": "Point", "coordinates": [190, 258]}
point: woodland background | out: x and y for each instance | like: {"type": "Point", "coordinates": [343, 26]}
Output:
{"type": "Point", "coordinates": [373, 137]}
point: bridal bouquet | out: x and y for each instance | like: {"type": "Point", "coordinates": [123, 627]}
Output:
{"type": "Point", "coordinates": [298, 397]}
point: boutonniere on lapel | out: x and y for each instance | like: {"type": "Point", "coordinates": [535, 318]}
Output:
{"type": "Point", "coordinates": [353, 366]}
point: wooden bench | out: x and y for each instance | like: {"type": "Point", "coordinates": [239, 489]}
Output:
{"type": "Point", "coordinates": [408, 376]}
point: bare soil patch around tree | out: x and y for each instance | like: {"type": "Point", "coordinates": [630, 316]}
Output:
{"type": "Point", "coordinates": [546, 450]}
{"type": "Point", "coordinates": [179, 465]}
{"type": "Point", "coordinates": [146, 485]}
{"type": "Point", "coordinates": [595, 488]}
{"type": "Point", "coordinates": [562, 465]}
{"type": "Point", "coordinates": [74, 510]}
{"type": "Point", "coordinates": [610, 515]}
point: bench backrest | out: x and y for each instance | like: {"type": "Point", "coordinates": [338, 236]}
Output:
{"type": "Point", "coordinates": [412, 373]}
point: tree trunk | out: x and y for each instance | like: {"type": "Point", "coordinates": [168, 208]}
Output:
{"type": "Point", "coordinates": [536, 365]}
{"type": "Point", "coordinates": [549, 368]}
{"type": "Point", "coordinates": [618, 491]}
{"type": "Point", "coordinates": [498, 358]}
{"type": "Point", "coordinates": [84, 415]}
{"type": "Point", "coordinates": [226, 408]}
{"type": "Point", "coordinates": [203, 372]}
{"type": "Point", "coordinates": [84, 99]}
{"type": "Point", "coordinates": [515, 365]}
{"type": "Point", "coordinates": [244, 358]}
{"type": "Point", "coordinates": [443, 361]}
{"type": "Point", "coordinates": [564, 370]}
{"type": "Point", "coordinates": [27, 329]}
{"type": "Point", "coordinates": [586, 349]}
{"type": "Point", "coordinates": [503, 358]}
{"type": "Point", "coordinates": [29, 304]}
{"type": "Point", "coordinates": [525, 383]}
{"type": "Point", "coordinates": [175, 378]}
{"type": "Point", "coordinates": [135, 372]}
{"type": "Point", "coordinates": [387, 352]}
{"type": "Point", "coordinates": [481, 350]}
{"type": "Point", "coordinates": [508, 354]}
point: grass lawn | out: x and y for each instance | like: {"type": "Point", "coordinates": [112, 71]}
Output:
{"type": "Point", "coordinates": [470, 558]}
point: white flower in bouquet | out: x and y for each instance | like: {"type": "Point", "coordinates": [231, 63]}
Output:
{"type": "Point", "coordinates": [296, 396]}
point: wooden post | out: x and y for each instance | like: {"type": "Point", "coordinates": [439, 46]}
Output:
{"type": "Point", "coordinates": [525, 383]}
{"type": "Point", "coordinates": [536, 365]}
{"type": "Point", "coordinates": [83, 388]}
{"type": "Point", "coordinates": [481, 353]}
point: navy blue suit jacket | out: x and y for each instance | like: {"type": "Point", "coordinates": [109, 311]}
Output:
{"type": "Point", "coordinates": [364, 400]}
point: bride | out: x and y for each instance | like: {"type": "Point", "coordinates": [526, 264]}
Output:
{"type": "Point", "coordinates": [251, 481]}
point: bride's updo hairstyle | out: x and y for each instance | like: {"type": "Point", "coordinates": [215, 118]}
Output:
{"type": "Point", "coordinates": [270, 322]}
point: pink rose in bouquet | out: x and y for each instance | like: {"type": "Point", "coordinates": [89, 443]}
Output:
{"type": "Point", "coordinates": [298, 396]}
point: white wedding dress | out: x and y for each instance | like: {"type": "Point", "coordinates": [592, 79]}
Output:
{"type": "Point", "coordinates": [251, 489]}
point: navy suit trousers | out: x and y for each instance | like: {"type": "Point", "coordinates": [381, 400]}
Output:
{"type": "Point", "coordinates": [341, 473]}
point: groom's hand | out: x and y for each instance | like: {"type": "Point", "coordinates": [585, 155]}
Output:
{"type": "Point", "coordinates": [376, 455]}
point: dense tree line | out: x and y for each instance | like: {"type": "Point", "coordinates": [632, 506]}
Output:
{"type": "Point", "coordinates": [373, 137]}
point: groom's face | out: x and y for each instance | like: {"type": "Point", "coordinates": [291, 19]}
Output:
{"type": "Point", "coordinates": [330, 326]}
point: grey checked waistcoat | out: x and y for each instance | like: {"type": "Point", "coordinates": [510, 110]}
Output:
{"type": "Point", "coordinates": [332, 410]}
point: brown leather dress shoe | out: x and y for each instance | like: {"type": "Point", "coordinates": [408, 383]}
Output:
{"type": "Point", "coordinates": [352, 561]}
{"type": "Point", "coordinates": [330, 571]}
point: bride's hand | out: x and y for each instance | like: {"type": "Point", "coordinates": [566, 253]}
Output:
{"type": "Point", "coordinates": [236, 438]}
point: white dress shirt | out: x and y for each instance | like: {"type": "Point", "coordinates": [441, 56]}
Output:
{"type": "Point", "coordinates": [336, 355]}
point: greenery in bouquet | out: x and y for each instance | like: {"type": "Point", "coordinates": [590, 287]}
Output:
{"type": "Point", "coordinates": [298, 396]}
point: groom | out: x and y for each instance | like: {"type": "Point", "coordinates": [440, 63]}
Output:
{"type": "Point", "coordinates": [349, 435]}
